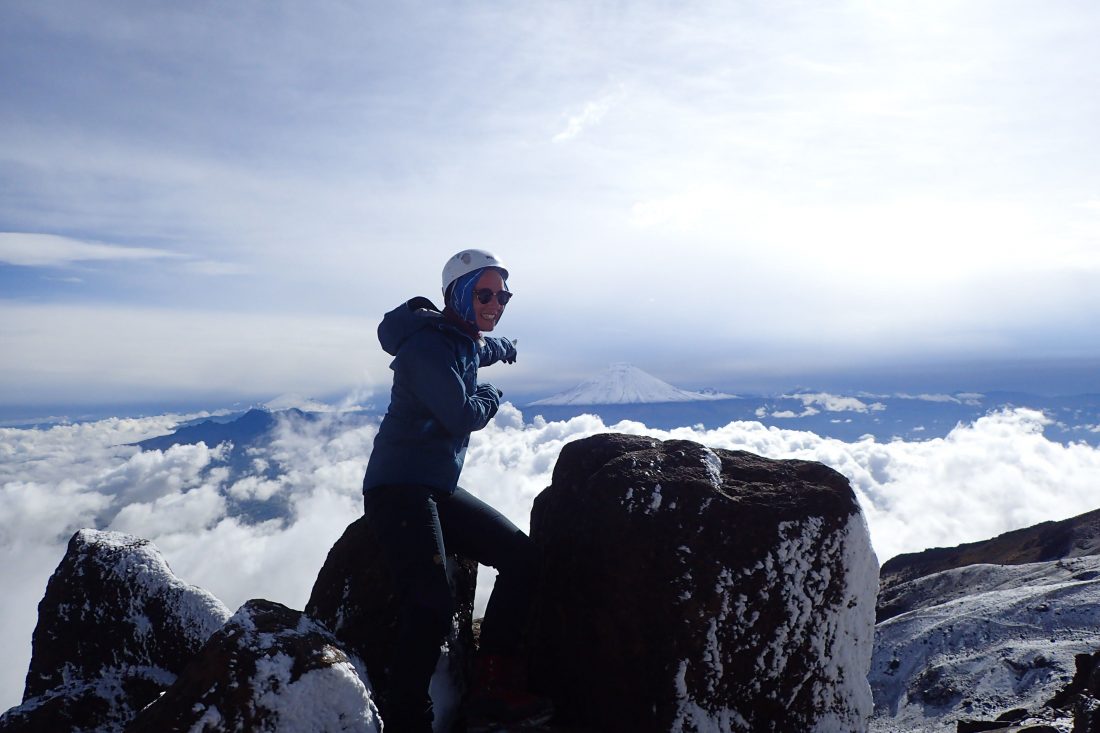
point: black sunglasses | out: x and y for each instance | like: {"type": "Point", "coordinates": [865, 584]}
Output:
{"type": "Point", "coordinates": [485, 295]}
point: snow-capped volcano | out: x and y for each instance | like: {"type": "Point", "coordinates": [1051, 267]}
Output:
{"type": "Point", "coordinates": [623, 384]}
{"type": "Point", "coordinates": [295, 401]}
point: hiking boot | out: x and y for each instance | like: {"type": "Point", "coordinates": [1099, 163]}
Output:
{"type": "Point", "coordinates": [500, 694]}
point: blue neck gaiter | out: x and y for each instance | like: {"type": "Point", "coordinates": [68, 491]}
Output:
{"type": "Point", "coordinates": [462, 295]}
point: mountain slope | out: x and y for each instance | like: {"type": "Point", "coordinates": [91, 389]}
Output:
{"type": "Point", "coordinates": [625, 384]}
{"type": "Point", "coordinates": [981, 640]}
{"type": "Point", "coordinates": [1074, 537]}
{"type": "Point", "coordinates": [976, 630]}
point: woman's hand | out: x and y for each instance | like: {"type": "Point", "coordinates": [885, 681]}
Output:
{"type": "Point", "coordinates": [510, 352]}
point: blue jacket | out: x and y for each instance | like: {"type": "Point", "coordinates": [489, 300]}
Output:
{"type": "Point", "coordinates": [435, 402]}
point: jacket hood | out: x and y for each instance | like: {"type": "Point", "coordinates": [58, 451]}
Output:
{"type": "Point", "coordinates": [405, 320]}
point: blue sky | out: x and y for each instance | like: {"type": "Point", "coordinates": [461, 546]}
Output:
{"type": "Point", "coordinates": [206, 200]}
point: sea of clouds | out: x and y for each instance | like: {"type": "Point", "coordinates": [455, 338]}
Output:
{"type": "Point", "coordinates": [995, 474]}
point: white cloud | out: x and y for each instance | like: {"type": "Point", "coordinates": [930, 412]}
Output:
{"type": "Point", "coordinates": [835, 403]}
{"type": "Point", "coordinates": [591, 115]}
{"type": "Point", "coordinates": [962, 398]}
{"type": "Point", "coordinates": [50, 250]}
{"type": "Point", "coordinates": [152, 475]}
{"type": "Point", "coordinates": [217, 269]}
{"type": "Point", "coordinates": [187, 513]}
{"type": "Point", "coordinates": [808, 412]}
{"type": "Point", "coordinates": [255, 487]}
{"type": "Point", "coordinates": [929, 397]}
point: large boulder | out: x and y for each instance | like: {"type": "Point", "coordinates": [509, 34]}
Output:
{"type": "Point", "coordinates": [114, 629]}
{"type": "Point", "coordinates": [269, 668]}
{"type": "Point", "coordinates": [353, 596]}
{"type": "Point", "coordinates": [688, 589]}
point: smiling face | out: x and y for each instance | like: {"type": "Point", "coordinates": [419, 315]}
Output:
{"type": "Point", "coordinates": [487, 314]}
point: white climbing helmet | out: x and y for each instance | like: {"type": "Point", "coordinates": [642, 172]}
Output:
{"type": "Point", "coordinates": [466, 262]}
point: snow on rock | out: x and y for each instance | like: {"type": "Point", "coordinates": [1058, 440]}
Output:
{"type": "Point", "coordinates": [269, 668]}
{"type": "Point", "coordinates": [627, 384]}
{"type": "Point", "coordinates": [352, 596]}
{"type": "Point", "coordinates": [114, 629]}
{"type": "Point", "coordinates": [694, 590]}
{"type": "Point", "coordinates": [979, 640]}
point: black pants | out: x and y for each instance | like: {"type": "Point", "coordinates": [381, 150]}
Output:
{"type": "Point", "coordinates": [418, 527]}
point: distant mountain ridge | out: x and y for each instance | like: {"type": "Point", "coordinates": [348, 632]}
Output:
{"type": "Point", "coordinates": [626, 384]}
{"type": "Point", "coordinates": [242, 431]}
{"type": "Point", "coordinates": [1044, 542]}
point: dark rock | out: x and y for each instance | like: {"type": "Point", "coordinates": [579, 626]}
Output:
{"type": "Point", "coordinates": [114, 629]}
{"type": "Point", "coordinates": [268, 669]}
{"type": "Point", "coordinates": [1082, 695]}
{"type": "Point", "coordinates": [1086, 681]}
{"type": "Point", "coordinates": [978, 726]}
{"type": "Point", "coordinates": [1004, 726]}
{"type": "Point", "coordinates": [353, 597]}
{"type": "Point", "coordinates": [686, 589]}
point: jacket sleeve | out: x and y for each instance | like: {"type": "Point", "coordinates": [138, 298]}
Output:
{"type": "Point", "coordinates": [435, 377]}
{"type": "Point", "coordinates": [494, 349]}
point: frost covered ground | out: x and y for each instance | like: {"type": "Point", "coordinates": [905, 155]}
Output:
{"type": "Point", "coordinates": [981, 640]}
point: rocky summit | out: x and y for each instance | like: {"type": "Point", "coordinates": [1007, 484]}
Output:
{"type": "Point", "coordinates": [270, 668]}
{"type": "Point", "coordinates": [685, 590]}
{"type": "Point", "coordinates": [689, 589]}
{"type": "Point", "coordinates": [114, 629]}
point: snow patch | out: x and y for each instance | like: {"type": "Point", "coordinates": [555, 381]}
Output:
{"type": "Point", "coordinates": [331, 698]}
{"type": "Point", "coordinates": [713, 464]}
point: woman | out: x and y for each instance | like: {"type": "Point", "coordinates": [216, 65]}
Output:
{"type": "Point", "coordinates": [412, 498]}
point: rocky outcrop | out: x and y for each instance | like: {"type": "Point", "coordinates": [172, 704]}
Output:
{"type": "Point", "coordinates": [688, 589]}
{"type": "Point", "coordinates": [268, 669]}
{"type": "Point", "coordinates": [353, 597]}
{"type": "Point", "coordinates": [685, 590]}
{"type": "Point", "coordinates": [114, 629]}
{"type": "Point", "coordinates": [1075, 708]}
{"type": "Point", "coordinates": [1082, 696]}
